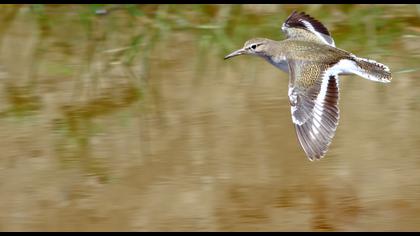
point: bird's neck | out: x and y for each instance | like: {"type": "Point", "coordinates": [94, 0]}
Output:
{"type": "Point", "coordinates": [276, 55]}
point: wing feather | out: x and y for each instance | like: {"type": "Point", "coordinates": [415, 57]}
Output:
{"type": "Point", "coordinates": [315, 110]}
{"type": "Point", "coordinates": [302, 26]}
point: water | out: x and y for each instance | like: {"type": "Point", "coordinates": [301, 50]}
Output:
{"type": "Point", "coordinates": [130, 120]}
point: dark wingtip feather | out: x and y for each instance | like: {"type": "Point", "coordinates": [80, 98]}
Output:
{"type": "Point", "coordinates": [295, 20]}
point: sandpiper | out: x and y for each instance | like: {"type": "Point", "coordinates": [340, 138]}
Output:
{"type": "Point", "coordinates": [313, 63]}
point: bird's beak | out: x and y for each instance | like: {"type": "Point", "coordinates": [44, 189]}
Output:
{"type": "Point", "coordinates": [235, 53]}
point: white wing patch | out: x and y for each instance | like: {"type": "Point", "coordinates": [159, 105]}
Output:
{"type": "Point", "coordinates": [324, 38]}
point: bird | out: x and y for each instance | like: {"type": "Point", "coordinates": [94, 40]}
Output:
{"type": "Point", "coordinates": [309, 55]}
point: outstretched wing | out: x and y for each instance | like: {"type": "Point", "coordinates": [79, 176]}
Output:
{"type": "Point", "coordinates": [313, 96]}
{"type": "Point", "coordinates": [302, 26]}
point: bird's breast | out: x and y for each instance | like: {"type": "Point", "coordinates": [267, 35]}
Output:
{"type": "Point", "coordinates": [279, 62]}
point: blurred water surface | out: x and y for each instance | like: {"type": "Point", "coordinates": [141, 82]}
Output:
{"type": "Point", "coordinates": [127, 118]}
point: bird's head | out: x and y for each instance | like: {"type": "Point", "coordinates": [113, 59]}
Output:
{"type": "Point", "coordinates": [255, 46]}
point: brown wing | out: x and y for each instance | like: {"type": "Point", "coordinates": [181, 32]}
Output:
{"type": "Point", "coordinates": [314, 106]}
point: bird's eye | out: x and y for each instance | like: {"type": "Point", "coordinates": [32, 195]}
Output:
{"type": "Point", "coordinates": [254, 46]}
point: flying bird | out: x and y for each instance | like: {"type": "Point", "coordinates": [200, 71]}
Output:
{"type": "Point", "coordinates": [314, 64]}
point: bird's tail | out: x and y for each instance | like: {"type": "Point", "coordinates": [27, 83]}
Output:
{"type": "Point", "coordinates": [371, 70]}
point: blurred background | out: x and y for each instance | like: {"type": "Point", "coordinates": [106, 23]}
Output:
{"type": "Point", "coordinates": [127, 118]}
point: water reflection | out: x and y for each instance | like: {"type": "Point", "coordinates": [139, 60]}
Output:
{"type": "Point", "coordinates": [131, 120]}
